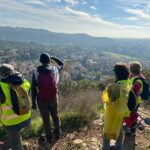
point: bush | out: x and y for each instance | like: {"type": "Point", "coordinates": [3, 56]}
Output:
{"type": "Point", "coordinates": [35, 128]}
{"type": "Point", "coordinates": [71, 121]}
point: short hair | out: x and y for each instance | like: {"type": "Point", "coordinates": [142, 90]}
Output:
{"type": "Point", "coordinates": [121, 70]}
{"type": "Point", "coordinates": [135, 67]}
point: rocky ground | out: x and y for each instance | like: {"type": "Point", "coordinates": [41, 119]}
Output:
{"type": "Point", "coordinates": [90, 138]}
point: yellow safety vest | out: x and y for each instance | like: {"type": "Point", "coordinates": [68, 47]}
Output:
{"type": "Point", "coordinates": [139, 99]}
{"type": "Point", "coordinates": [115, 111]}
{"type": "Point", "coordinates": [8, 117]}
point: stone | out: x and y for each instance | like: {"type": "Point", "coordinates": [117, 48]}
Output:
{"type": "Point", "coordinates": [78, 141]}
{"type": "Point", "coordinates": [84, 144]}
{"type": "Point", "coordinates": [94, 140]}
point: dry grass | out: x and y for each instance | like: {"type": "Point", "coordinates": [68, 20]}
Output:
{"type": "Point", "coordinates": [85, 102]}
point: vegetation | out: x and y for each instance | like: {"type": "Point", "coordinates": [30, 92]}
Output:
{"type": "Point", "coordinates": [78, 103]}
{"type": "Point", "coordinates": [88, 69]}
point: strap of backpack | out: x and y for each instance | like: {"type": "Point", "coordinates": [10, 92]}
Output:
{"type": "Point", "coordinates": [138, 78]}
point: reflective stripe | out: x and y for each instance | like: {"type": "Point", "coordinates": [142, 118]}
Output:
{"type": "Point", "coordinates": [10, 117]}
{"type": "Point", "coordinates": [6, 108]}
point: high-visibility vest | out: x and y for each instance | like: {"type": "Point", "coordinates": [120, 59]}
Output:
{"type": "Point", "coordinates": [139, 99]}
{"type": "Point", "coordinates": [8, 117]}
{"type": "Point", "coordinates": [115, 111]}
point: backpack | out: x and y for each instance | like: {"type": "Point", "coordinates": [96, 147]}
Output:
{"type": "Point", "coordinates": [46, 85]}
{"type": "Point", "coordinates": [115, 109]}
{"type": "Point", "coordinates": [146, 88]}
{"type": "Point", "coordinates": [132, 100]}
{"type": "Point", "coordinates": [20, 99]}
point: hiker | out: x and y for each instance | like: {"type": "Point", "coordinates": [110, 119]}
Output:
{"type": "Point", "coordinates": [44, 93]}
{"type": "Point", "coordinates": [139, 82]}
{"type": "Point", "coordinates": [115, 98]}
{"type": "Point", "coordinates": [13, 117]}
{"type": "Point", "coordinates": [141, 89]}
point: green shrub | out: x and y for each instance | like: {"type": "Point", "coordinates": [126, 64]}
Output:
{"type": "Point", "coordinates": [35, 128]}
{"type": "Point", "coordinates": [71, 121]}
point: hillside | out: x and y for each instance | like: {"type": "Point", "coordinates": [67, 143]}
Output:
{"type": "Point", "coordinates": [88, 69]}
{"type": "Point", "coordinates": [90, 138]}
{"type": "Point", "coordinates": [138, 48]}
{"type": "Point", "coordinates": [46, 37]}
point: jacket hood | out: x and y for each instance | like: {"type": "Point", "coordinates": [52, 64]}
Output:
{"type": "Point", "coordinates": [44, 69]}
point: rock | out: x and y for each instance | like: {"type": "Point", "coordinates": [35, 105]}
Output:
{"type": "Point", "coordinates": [98, 122]}
{"type": "Point", "coordinates": [85, 128]}
{"type": "Point", "coordinates": [94, 140]}
{"type": "Point", "coordinates": [78, 141]}
{"type": "Point", "coordinates": [94, 147]}
{"type": "Point", "coordinates": [148, 146]}
{"type": "Point", "coordinates": [70, 136]}
{"type": "Point", "coordinates": [84, 144]}
{"type": "Point", "coordinates": [26, 146]}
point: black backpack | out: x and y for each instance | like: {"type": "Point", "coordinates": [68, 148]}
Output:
{"type": "Point", "coordinates": [146, 88]}
{"type": "Point", "coordinates": [132, 100]}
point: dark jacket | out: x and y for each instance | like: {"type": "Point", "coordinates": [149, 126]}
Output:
{"type": "Point", "coordinates": [15, 79]}
{"type": "Point", "coordinates": [40, 69]}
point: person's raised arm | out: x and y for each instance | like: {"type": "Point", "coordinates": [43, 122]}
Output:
{"type": "Point", "coordinates": [59, 62]}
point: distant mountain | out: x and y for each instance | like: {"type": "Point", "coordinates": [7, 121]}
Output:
{"type": "Point", "coordinates": [46, 37]}
{"type": "Point", "coordinates": [139, 48]}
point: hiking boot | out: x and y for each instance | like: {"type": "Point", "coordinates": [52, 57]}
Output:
{"type": "Point", "coordinates": [130, 134]}
{"type": "Point", "coordinates": [45, 138]}
{"type": "Point", "coordinates": [42, 138]}
{"type": "Point", "coordinates": [141, 128]}
{"type": "Point", "coordinates": [56, 134]}
{"type": "Point", "coordinates": [49, 139]}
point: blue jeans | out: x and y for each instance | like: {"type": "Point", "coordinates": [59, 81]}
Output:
{"type": "Point", "coordinates": [119, 142]}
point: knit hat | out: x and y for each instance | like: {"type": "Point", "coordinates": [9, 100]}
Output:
{"type": "Point", "coordinates": [45, 58]}
{"type": "Point", "coordinates": [6, 70]}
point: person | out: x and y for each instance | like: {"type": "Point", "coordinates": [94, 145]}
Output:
{"type": "Point", "coordinates": [138, 81]}
{"type": "Point", "coordinates": [11, 121]}
{"type": "Point", "coordinates": [115, 98]}
{"type": "Point", "coordinates": [44, 93]}
{"type": "Point", "coordinates": [136, 73]}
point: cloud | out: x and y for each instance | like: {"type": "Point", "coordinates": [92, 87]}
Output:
{"type": "Point", "coordinates": [83, 2]}
{"type": "Point", "coordinates": [131, 18]}
{"type": "Point", "coordinates": [133, 3]}
{"type": "Point", "coordinates": [93, 7]}
{"type": "Point", "coordinates": [126, 18]}
{"type": "Point", "coordinates": [139, 13]}
{"type": "Point", "coordinates": [91, 19]}
{"type": "Point", "coordinates": [65, 19]}
{"type": "Point", "coordinates": [35, 2]}
{"type": "Point", "coordinates": [72, 2]}
{"type": "Point", "coordinates": [54, 1]}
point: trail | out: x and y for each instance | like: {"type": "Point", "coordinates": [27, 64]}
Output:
{"type": "Point", "coordinates": [90, 138]}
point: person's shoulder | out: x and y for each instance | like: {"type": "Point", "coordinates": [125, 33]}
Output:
{"type": "Point", "coordinates": [55, 68]}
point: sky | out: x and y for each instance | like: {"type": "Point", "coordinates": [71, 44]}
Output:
{"type": "Point", "coordinates": [101, 18]}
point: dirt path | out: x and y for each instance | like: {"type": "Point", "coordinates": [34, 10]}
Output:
{"type": "Point", "coordinates": [90, 138]}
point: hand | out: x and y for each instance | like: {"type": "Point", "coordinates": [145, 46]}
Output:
{"type": "Point", "coordinates": [34, 106]}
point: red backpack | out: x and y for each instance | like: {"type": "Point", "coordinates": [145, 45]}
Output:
{"type": "Point", "coordinates": [47, 86]}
